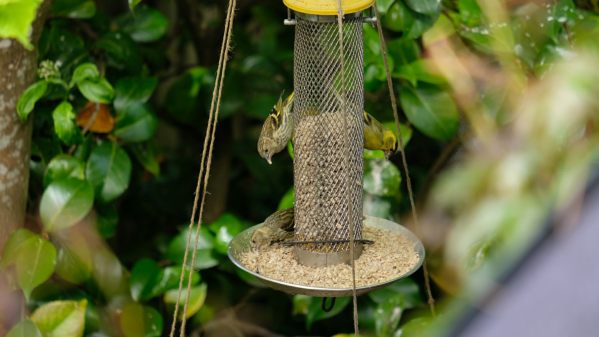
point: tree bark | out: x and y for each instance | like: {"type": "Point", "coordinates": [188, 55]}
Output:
{"type": "Point", "coordinates": [18, 66]}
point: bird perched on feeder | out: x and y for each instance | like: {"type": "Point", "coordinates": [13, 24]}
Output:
{"type": "Point", "coordinates": [278, 129]}
{"type": "Point", "coordinates": [277, 227]}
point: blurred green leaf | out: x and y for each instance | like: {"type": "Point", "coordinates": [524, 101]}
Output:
{"type": "Point", "coordinates": [399, 18]}
{"type": "Point", "coordinates": [133, 3]}
{"type": "Point", "coordinates": [145, 155]}
{"type": "Point", "coordinates": [29, 97]}
{"type": "Point", "coordinates": [133, 90]}
{"type": "Point", "coordinates": [415, 327]}
{"type": "Point", "coordinates": [135, 123]}
{"type": "Point", "coordinates": [74, 9]}
{"type": "Point", "coordinates": [63, 166]}
{"type": "Point", "coordinates": [96, 90]}
{"type": "Point", "coordinates": [417, 71]}
{"type": "Point", "coordinates": [301, 304]}
{"type": "Point", "coordinates": [288, 200]}
{"type": "Point", "coordinates": [205, 244]}
{"type": "Point", "coordinates": [392, 301]}
{"type": "Point", "coordinates": [121, 51]}
{"type": "Point", "coordinates": [84, 71]}
{"type": "Point", "coordinates": [197, 296]}
{"type": "Point", "coordinates": [182, 95]}
{"type": "Point", "coordinates": [16, 18]}
{"type": "Point", "coordinates": [65, 202]}
{"type": "Point", "coordinates": [64, 123]}
{"type": "Point", "coordinates": [107, 220]}
{"type": "Point", "coordinates": [225, 227]}
{"type": "Point", "coordinates": [315, 312]}
{"type": "Point", "coordinates": [33, 258]}
{"type": "Point", "coordinates": [75, 261]}
{"type": "Point", "coordinates": [144, 24]}
{"type": "Point", "coordinates": [144, 277]}
{"type": "Point", "coordinates": [431, 110]}
{"type": "Point", "coordinates": [383, 5]}
{"type": "Point", "coordinates": [61, 318]}
{"type": "Point", "coordinates": [381, 177]}
{"type": "Point", "coordinates": [403, 51]}
{"type": "Point", "coordinates": [109, 170]}
{"type": "Point", "coordinates": [424, 6]}
{"type": "Point", "coordinates": [24, 328]}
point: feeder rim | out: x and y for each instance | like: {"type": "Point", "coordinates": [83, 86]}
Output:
{"type": "Point", "coordinates": [327, 7]}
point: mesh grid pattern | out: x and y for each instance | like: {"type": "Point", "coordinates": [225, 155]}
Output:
{"type": "Point", "coordinates": [328, 166]}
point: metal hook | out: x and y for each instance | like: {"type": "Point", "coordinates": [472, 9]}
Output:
{"type": "Point", "coordinates": [324, 306]}
{"type": "Point", "coordinates": [289, 21]}
{"type": "Point", "coordinates": [371, 18]}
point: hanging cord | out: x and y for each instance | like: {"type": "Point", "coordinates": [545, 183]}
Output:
{"type": "Point", "coordinates": [348, 182]}
{"type": "Point", "coordinates": [404, 162]}
{"type": "Point", "coordinates": [207, 148]}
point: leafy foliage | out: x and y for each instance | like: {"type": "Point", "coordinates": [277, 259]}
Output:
{"type": "Point", "coordinates": [118, 113]}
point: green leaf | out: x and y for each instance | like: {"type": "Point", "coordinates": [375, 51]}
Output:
{"type": "Point", "coordinates": [133, 3]}
{"type": "Point", "coordinates": [33, 257]}
{"type": "Point", "coordinates": [415, 327]}
{"type": "Point", "coordinates": [197, 296]}
{"type": "Point", "coordinates": [96, 90]}
{"type": "Point", "coordinates": [204, 260]}
{"type": "Point", "coordinates": [226, 227]}
{"type": "Point", "coordinates": [424, 6]}
{"type": "Point", "coordinates": [65, 202]}
{"type": "Point", "coordinates": [399, 18]}
{"type": "Point", "coordinates": [61, 318]}
{"type": "Point", "coordinates": [288, 200]}
{"type": "Point", "coordinates": [108, 219]}
{"type": "Point", "coordinates": [109, 170]}
{"type": "Point", "coordinates": [24, 328]}
{"type": "Point", "coordinates": [121, 51]}
{"type": "Point", "coordinates": [140, 321]}
{"type": "Point", "coordinates": [382, 6]}
{"type": "Point", "coordinates": [75, 260]}
{"type": "Point", "coordinates": [135, 123]}
{"type": "Point", "coordinates": [16, 18]}
{"type": "Point", "coordinates": [431, 110]}
{"type": "Point", "coordinates": [145, 24]}
{"type": "Point", "coordinates": [381, 178]}
{"type": "Point", "coordinates": [64, 123]}
{"type": "Point", "coordinates": [63, 166]}
{"type": "Point", "coordinates": [315, 312]}
{"type": "Point", "coordinates": [133, 90]}
{"type": "Point", "coordinates": [392, 301]}
{"type": "Point", "coordinates": [417, 72]}
{"type": "Point", "coordinates": [403, 51]}
{"type": "Point", "coordinates": [145, 154]}
{"type": "Point", "coordinates": [30, 96]}
{"type": "Point", "coordinates": [144, 277]}
{"type": "Point", "coordinates": [183, 94]}
{"type": "Point", "coordinates": [74, 9]}
{"type": "Point", "coordinates": [83, 72]}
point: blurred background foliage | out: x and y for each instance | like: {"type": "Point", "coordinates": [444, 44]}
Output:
{"type": "Point", "coordinates": [498, 113]}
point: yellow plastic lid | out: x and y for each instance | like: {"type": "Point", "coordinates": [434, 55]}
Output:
{"type": "Point", "coordinates": [327, 7]}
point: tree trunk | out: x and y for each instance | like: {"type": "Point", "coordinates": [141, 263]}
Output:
{"type": "Point", "coordinates": [18, 67]}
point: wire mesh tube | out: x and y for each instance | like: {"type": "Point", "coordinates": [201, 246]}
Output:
{"type": "Point", "coordinates": [328, 139]}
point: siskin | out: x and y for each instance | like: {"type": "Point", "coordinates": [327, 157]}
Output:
{"type": "Point", "coordinates": [277, 227]}
{"type": "Point", "coordinates": [278, 127]}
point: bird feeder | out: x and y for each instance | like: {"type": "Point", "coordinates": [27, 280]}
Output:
{"type": "Point", "coordinates": [328, 143]}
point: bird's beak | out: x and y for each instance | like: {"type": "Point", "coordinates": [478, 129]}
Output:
{"type": "Point", "coordinates": [269, 160]}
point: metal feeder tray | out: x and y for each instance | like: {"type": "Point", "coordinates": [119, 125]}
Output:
{"type": "Point", "coordinates": [241, 243]}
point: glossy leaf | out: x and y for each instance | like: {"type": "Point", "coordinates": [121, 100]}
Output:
{"type": "Point", "coordinates": [431, 110]}
{"type": "Point", "coordinates": [225, 228]}
{"type": "Point", "coordinates": [424, 6]}
{"type": "Point", "coordinates": [145, 24]}
{"type": "Point", "coordinates": [133, 90]}
{"type": "Point", "coordinates": [133, 3]}
{"type": "Point", "coordinates": [96, 90]}
{"type": "Point", "coordinates": [84, 71]}
{"type": "Point", "coordinates": [315, 312]}
{"type": "Point", "coordinates": [121, 51]}
{"type": "Point", "coordinates": [145, 155]}
{"type": "Point", "coordinates": [135, 123]}
{"type": "Point", "coordinates": [64, 123]}
{"type": "Point", "coordinates": [197, 296]}
{"type": "Point", "coordinates": [109, 170]}
{"type": "Point", "coordinates": [144, 277]}
{"type": "Point", "coordinates": [33, 257]}
{"type": "Point", "coordinates": [24, 328]}
{"type": "Point", "coordinates": [383, 5]}
{"type": "Point", "coordinates": [65, 202]}
{"type": "Point", "coordinates": [74, 9]}
{"type": "Point", "coordinates": [140, 321]}
{"type": "Point", "coordinates": [61, 318]}
{"type": "Point", "coordinates": [204, 259]}
{"type": "Point", "coordinates": [63, 166]}
{"type": "Point", "coordinates": [30, 96]}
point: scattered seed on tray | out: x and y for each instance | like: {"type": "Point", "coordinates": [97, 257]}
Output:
{"type": "Point", "coordinates": [391, 256]}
